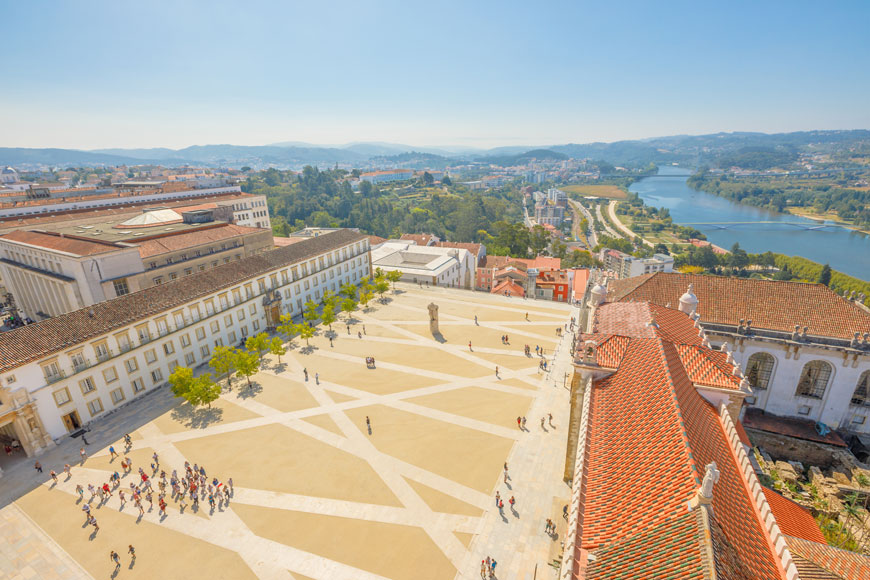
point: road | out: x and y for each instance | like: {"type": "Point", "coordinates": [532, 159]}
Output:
{"type": "Point", "coordinates": [591, 235]}
{"type": "Point", "coordinates": [611, 210]}
{"type": "Point", "coordinates": [610, 231]}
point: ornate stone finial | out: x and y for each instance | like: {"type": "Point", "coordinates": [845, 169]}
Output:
{"type": "Point", "coordinates": [729, 358]}
{"type": "Point", "coordinates": [796, 335]}
{"type": "Point", "coordinates": [737, 371]}
{"type": "Point", "coordinates": [688, 301]}
{"type": "Point", "coordinates": [726, 347]}
{"type": "Point", "coordinates": [711, 476]}
{"type": "Point", "coordinates": [745, 386]}
{"type": "Point", "coordinates": [856, 340]}
{"type": "Point", "coordinates": [804, 333]}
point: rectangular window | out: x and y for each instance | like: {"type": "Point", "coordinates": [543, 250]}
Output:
{"type": "Point", "coordinates": [858, 419]}
{"type": "Point", "coordinates": [252, 309]}
{"type": "Point", "coordinates": [110, 375]}
{"type": "Point", "coordinates": [168, 348]}
{"type": "Point", "coordinates": [241, 314]}
{"type": "Point", "coordinates": [150, 356]}
{"type": "Point", "coordinates": [200, 333]}
{"type": "Point", "coordinates": [215, 327]}
{"type": "Point", "coordinates": [123, 342]}
{"type": "Point", "coordinates": [156, 376]}
{"type": "Point", "coordinates": [188, 271]}
{"type": "Point", "coordinates": [121, 287]}
{"type": "Point", "coordinates": [189, 359]}
{"type": "Point", "coordinates": [228, 320]}
{"type": "Point", "coordinates": [87, 385]}
{"type": "Point", "coordinates": [203, 351]}
{"type": "Point", "coordinates": [232, 337]}
{"type": "Point", "coordinates": [185, 340]}
{"type": "Point", "coordinates": [219, 342]}
{"type": "Point", "coordinates": [162, 327]}
{"type": "Point", "coordinates": [256, 325]}
{"type": "Point", "coordinates": [117, 396]}
{"type": "Point", "coordinates": [804, 410]}
{"type": "Point", "coordinates": [132, 365]}
{"type": "Point", "coordinates": [209, 308]}
{"type": "Point", "coordinates": [143, 333]}
{"type": "Point", "coordinates": [62, 397]}
{"type": "Point", "coordinates": [95, 407]}
{"type": "Point", "coordinates": [102, 351]}
{"type": "Point", "coordinates": [173, 276]}
{"type": "Point", "coordinates": [138, 385]}
{"type": "Point", "coordinates": [78, 361]}
{"type": "Point", "coordinates": [179, 319]}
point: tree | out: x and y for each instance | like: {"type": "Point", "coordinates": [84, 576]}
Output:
{"type": "Point", "coordinates": [197, 391]}
{"type": "Point", "coordinates": [276, 347]}
{"type": "Point", "coordinates": [247, 364]}
{"type": "Point", "coordinates": [348, 291]}
{"type": "Point", "coordinates": [246, 168]}
{"type": "Point", "coordinates": [348, 305]}
{"type": "Point", "coordinates": [446, 181]}
{"type": "Point", "coordinates": [258, 344]}
{"type": "Point", "coordinates": [738, 257]}
{"type": "Point", "coordinates": [394, 276]}
{"type": "Point", "coordinates": [381, 286]}
{"type": "Point", "coordinates": [661, 249]}
{"type": "Point", "coordinates": [329, 299]}
{"type": "Point", "coordinates": [310, 311]}
{"type": "Point", "coordinates": [365, 298]}
{"type": "Point", "coordinates": [825, 275]}
{"type": "Point", "coordinates": [287, 326]}
{"type": "Point", "coordinates": [328, 315]}
{"type": "Point", "coordinates": [305, 332]}
{"type": "Point", "coordinates": [223, 361]}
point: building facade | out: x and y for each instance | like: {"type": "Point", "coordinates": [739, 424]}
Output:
{"type": "Point", "coordinates": [623, 265]}
{"type": "Point", "coordinates": [451, 267]}
{"type": "Point", "coordinates": [62, 373]}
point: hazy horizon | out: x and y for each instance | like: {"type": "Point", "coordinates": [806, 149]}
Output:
{"type": "Point", "coordinates": [488, 74]}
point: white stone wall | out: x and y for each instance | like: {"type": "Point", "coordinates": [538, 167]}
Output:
{"type": "Point", "coordinates": [248, 313]}
{"type": "Point", "coordinates": [834, 408]}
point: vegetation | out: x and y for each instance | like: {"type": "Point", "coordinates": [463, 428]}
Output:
{"type": "Point", "coordinates": [223, 361]}
{"type": "Point", "coordinates": [247, 364]}
{"type": "Point", "coordinates": [305, 332]}
{"type": "Point", "coordinates": [608, 191]}
{"type": "Point", "coordinates": [197, 391]}
{"type": "Point", "coordinates": [276, 347]}
{"type": "Point", "coordinates": [258, 344]}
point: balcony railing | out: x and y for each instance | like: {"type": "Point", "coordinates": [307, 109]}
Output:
{"type": "Point", "coordinates": [81, 365]}
{"type": "Point", "coordinates": [55, 377]}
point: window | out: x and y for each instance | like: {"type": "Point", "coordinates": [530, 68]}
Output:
{"type": "Point", "coordinates": [123, 342]}
{"type": "Point", "coordinates": [132, 365]}
{"type": "Point", "coordinates": [168, 348]}
{"type": "Point", "coordinates": [162, 327]}
{"type": "Point", "coordinates": [188, 271]}
{"type": "Point", "coordinates": [156, 376]}
{"type": "Point", "coordinates": [121, 287]}
{"type": "Point", "coordinates": [256, 325]}
{"type": "Point", "coordinates": [152, 265]}
{"type": "Point", "coordinates": [203, 351]}
{"type": "Point", "coordinates": [219, 342]}
{"type": "Point", "coordinates": [241, 314]}
{"type": "Point", "coordinates": [110, 375]}
{"type": "Point", "coordinates": [78, 361]}
{"type": "Point", "coordinates": [215, 327]}
{"type": "Point", "coordinates": [859, 397]}
{"type": "Point", "coordinates": [200, 333]}
{"type": "Point", "coordinates": [138, 385]}
{"type": "Point", "coordinates": [144, 333]}
{"type": "Point", "coordinates": [252, 309]}
{"type": "Point", "coordinates": [209, 308]}
{"type": "Point", "coordinates": [759, 369]}
{"type": "Point", "coordinates": [87, 385]}
{"type": "Point", "coordinates": [814, 379]}
{"type": "Point", "coordinates": [158, 280]}
{"type": "Point", "coordinates": [189, 359]}
{"type": "Point", "coordinates": [62, 397]}
{"type": "Point", "coordinates": [95, 407]}
{"type": "Point", "coordinates": [228, 320]}
{"type": "Point", "coordinates": [102, 351]}
{"type": "Point", "coordinates": [232, 338]}
{"type": "Point", "coordinates": [185, 340]}
{"type": "Point", "coordinates": [150, 356]}
{"type": "Point", "coordinates": [858, 419]}
{"type": "Point", "coordinates": [117, 396]}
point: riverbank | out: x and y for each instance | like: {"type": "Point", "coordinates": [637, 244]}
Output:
{"type": "Point", "coordinates": [809, 214]}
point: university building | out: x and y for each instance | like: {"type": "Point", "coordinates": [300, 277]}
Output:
{"type": "Point", "coordinates": [61, 373]}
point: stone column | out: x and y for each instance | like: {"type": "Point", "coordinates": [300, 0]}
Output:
{"type": "Point", "coordinates": [433, 318]}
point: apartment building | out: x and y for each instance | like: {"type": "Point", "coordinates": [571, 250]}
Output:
{"type": "Point", "coordinates": [59, 374]}
{"type": "Point", "coordinates": [623, 265]}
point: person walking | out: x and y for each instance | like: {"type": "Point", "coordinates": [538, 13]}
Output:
{"type": "Point", "coordinates": [81, 491]}
{"type": "Point", "coordinates": [83, 454]}
{"type": "Point", "coordinates": [475, 320]}
{"type": "Point", "coordinates": [317, 378]}
{"type": "Point", "coordinates": [113, 555]}
{"type": "Point", "coordinates": [492, 568]}
{"type": "Point", "coordinates": [112, 452]}
{"type": "Point", "coordinates": [132, 551]}
{"type": "Point", "coordinates": [230, 485]}
{"type": "Point", "coordinates": [128, 441]}
{"type": "Point", "coordinates": [93, 522]}
{"type": "Point", "coordinates": [305, 372]}
{"type": "Point", "coordinates": [520, 423]}
{"type": "Point", "coordinates": [368, 425]}
{"type": "Point", "coordinates": [53, 475]}
{"type": "Point", "coordinates": [550, 419]}
{"type": "Point", "coordinates": [497, 498]}
{"type": "Point", "coordinates": [93, 492]}
{"type": "Point", "coordinates": [524, 422]}
{"type": "Point", "coordinates": [87, 509]}
{"type": "Point", "coordinates": [483, 569]}
{"type": "Point", "coordinates": [496, 370]}
{"type": "Point", "coordinates": [513, 502]}
{"type": "Point", "coordinates": [38, 467]}
{"type": "Point", "coordinates": [542, 422]}
{"type": "Point", "coordinates": [469, 346]}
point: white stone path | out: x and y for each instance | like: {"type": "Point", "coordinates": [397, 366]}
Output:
{"type": "Point", "coordinates": [536, 462]}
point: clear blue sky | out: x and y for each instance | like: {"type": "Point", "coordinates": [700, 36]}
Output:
{"type": "Point", "coordinates": [176, 73]}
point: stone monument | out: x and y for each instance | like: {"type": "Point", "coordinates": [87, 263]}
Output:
{"type": "Point", "coordinates": [433, 318]}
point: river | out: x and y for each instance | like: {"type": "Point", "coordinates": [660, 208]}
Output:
{"type": "Point", "coordinates": [845, 250]}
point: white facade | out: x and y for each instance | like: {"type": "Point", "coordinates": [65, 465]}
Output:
{"type": "Point", "coordinates": [89, 379]}
{"type": "Point", "coordinates": [453, 267]}
{"type": "Point", "coordinates": [623, 265]}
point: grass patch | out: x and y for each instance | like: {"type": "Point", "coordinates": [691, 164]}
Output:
{"type": "Point", "coordinates": [608, 191]}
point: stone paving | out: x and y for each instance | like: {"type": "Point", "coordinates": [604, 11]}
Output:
{"type": "Point", "coordinates": [316, 494]}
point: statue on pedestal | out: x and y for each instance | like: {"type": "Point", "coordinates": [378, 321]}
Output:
{"type": "Point", "coordinates": [433, 318]}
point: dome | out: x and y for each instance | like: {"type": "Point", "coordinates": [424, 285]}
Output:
{"type": "Point", "coordinates": [598, 294]}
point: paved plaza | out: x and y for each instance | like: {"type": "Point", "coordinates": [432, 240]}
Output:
{"type": "Point", "coordinates": [318, 496]}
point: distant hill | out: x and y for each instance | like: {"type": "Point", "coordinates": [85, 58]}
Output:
{"type": "Point", "coordinates": [524, 158]}
{"type": "Point", "coordinates": [23, 156]}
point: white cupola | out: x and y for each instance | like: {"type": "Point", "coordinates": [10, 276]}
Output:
{"type": "Point", "coordinates": [688, 301]}
{"type": "Point", "coordinates": [598, 295]}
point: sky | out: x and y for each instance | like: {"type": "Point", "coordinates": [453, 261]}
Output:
{"type": "Point", "coordinates": [471, 73]}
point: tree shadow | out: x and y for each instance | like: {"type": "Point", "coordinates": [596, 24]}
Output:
{"type": "Point", "coordinates": [279, 367]}
{"type": "Point", "coordinates": [308, 349]}
{"type": "Point", "coordinates": [330, 334]}
{"type": "Point", "coordinates": [385, 300]}
{"type": "Point", "coordinates": [251, 391]}
{"type": "Point", "coordinates": [439, 337]}
{"type": "Point", "coordinates": [193, 418]}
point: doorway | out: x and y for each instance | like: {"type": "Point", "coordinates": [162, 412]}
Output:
{"type": "Point", "coordinates": [72, 422]}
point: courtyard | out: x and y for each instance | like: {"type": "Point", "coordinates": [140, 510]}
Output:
{"type": "Point", "coordinates": [316, 493]}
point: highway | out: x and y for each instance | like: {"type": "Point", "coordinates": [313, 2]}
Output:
{"type": "Point", "coordinates": [610, 231]}
{"type": "Point", "coordinates": [591, 235]}
{"type": "Point", "coordinates": [611, 210]}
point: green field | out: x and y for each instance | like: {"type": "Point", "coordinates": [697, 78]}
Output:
{"type": "Point", "coordinates": [608, 191]}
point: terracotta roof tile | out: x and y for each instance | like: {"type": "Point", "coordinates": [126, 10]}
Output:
{"type": "Point", "coordinates": [847, 565]}
{"type": "Point", "coordinates": [770, 304]}
{"type": "Point", "coordinates": [36, 341]}
{"type": "Point", "coordinates": [509, 286]}
{"type": "Point", "coordinates": [793, 519]}
{"type": "Point", "coordinates": [191, 239]}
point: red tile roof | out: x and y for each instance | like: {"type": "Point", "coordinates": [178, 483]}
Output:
{"type": "Point", "coordinates": [539, 262]}
{"type": "Point", "coordinates": [473, 248]}
{"type": "Point", "coordinates": [509, 286]}
{"type": "Point", "coordinates": [708, 367]}
{"type": "Point", "coordinates": [792, 518]}
{"type": "Point", "coordinates": [845, 564]}
{"type": "Point", "coordinates": [650, 434]}
{"type": "Point", "coordinates": [741, 433]}
{"type": "Point", "coordinates": [70, 244]}
{"type": "Point", "coordinates": [770, 304]}
{"type": "Point", "coordinates": [191, 239]}
{"type": "Point", "coordinates": [419, 239]}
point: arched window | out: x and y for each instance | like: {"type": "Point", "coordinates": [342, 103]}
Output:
{"type": "Point", "coordinates": [814, 379]}
{"type": "Point", "coordinates": [758, 370]}
{"type": "Point", "coordinates": [862, 390]}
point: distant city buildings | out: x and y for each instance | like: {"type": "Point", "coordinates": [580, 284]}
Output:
{"type": "Point", "coordinates": [387, 175]}
{"type": "Point", "coordinates": [550, 207]}
{"type": "Point", "coordinates": [623, 265]}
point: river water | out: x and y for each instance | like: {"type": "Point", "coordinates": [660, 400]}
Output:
{"type": "Point", "coordinates": [844, 249]}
